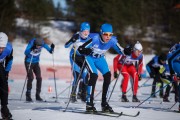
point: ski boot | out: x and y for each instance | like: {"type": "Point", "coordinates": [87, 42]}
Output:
{"type": "Point", "coordinates": [90, 107]}
{"type": "Point", "coordinates": [106, 108]}
{"type": "Point", "coordinates": [124, 98]}
{"type": "Point", "coordinates": [5, 113]}
{"type": "Point", "coordinates": [79, 95]}
{"type": "Point", "coordinates": [38, 98]}
{"type": "Point", "coordinates": [28, 97]}
{"type": "Point", "coordinates": [176, 98]}
{"type": "Point", "coordinates": [165, 98]}
{"type": "Point", "coordinates": [83, 97]}
{"type": "Point", "coordinates": [73, 98]}
{"type": "Point", "coordinates": [135, 99]}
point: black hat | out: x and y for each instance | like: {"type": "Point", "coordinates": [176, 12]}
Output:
{"type": "Point", "coordinates": [39, 42]}
{"type": "Point", "coordinates": [163, 57]}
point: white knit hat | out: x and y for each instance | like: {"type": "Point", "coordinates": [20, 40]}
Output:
{"type": "Point", "coordinates": [45, 33]}
{"type": "Point", "coordinates": [3, 39]}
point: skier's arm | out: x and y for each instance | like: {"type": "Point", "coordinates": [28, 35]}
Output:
{"type": "Point", "coordinates": [140, 65]}
{"type": "Point", "coordinates": [150, 68]}
{"type": "Point", "coordinates": [29, 47]}
{"type": "Point", "coordinates": [171, 60]}
{"type": "Point", "coordinates": [8, 62]}
{"type": "Point", "coordinates": [85, 48]}
{"type": "Point", "coordinates": [46, 46]}
{"type": "Point", "coordinates": [118, 49]}
{"type": "Point", "coordinates": [115, 63]}
{"type": "Point", "coordinates": [72, 40]}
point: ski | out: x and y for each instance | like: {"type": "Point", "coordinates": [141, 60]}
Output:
{"type": "Point", "coordinates": [100, 113]}
{"type": "Point", "coordinates": [130, 115]}
{"type": "Point", "coordinates": [7, 119]}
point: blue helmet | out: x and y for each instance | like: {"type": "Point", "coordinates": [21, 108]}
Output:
{"type": "Point", "coordinates": [106, 28]}
{"type": "Point", "coordinates": [85, 26]}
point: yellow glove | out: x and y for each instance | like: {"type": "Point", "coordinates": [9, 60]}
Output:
{"type": "Point", "coordinates": [158, 84]}
{"type": "Point", "coordinates": [161, 70]}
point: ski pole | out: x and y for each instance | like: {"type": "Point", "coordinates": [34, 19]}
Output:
{"type": "Point", "coordinates": [54, 77]}
{"type": "Point", "coordinates": [26, 77]}
{"type": "Point", "coordinates": [153, 94]}
{"type": "Point", "coordinates": [141, 85]}
{"type": "Point", "coordinates": [172, 106]}
{"type": "Point", "coordinates": [82, 68]}
{"type": "Point", "coordinates": [63, 90]}
{"type": "Point", "coordinates": [72, 70]}
{"type": "Point", "coordinates": [144, 83]}
{"type": "Point", "coordinates": [116, 82]}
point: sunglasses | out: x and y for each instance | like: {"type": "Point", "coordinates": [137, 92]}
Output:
{"type": "Point", "coordinates": [108, 34]}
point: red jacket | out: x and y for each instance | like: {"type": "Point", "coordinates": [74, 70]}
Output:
{"type": "Point", "coordinates": [129, 60]}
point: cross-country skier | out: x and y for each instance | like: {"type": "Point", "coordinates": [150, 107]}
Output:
{"type": "Point", "coordinates": [130, 66]}
{"type": "Point", "coordinates": [77, 59]}
{"type": "Point", "coordinates": [153, 67]}
{"type": "Point", "coordinates": [6, 59]}
{"type": "Point", "coordinates": [95, 50]}
{"type": "Point", "coordinates": [32, 54]}
{"type": "Point", "coordinates": [174, 65]}
{"type": "Point", "coordinates": [166, 78]}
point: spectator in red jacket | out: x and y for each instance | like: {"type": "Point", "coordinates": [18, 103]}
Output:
{"type": "Point", "coordinates": [129, 66]}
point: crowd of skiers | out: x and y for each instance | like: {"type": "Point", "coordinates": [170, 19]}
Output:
{"type": "Point", "coordinates": [87, 57]}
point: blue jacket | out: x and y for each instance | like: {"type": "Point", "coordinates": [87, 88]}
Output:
{"type": "Point", "coordinates": [33, 55]}
{"type": "Point", "coordinates": [173, 56]}
{"type": "Point", "coordinates": [99, 47]}
{"type": "Point", "coordinates": [7, 57]}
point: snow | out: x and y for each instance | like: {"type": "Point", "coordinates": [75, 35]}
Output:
{"type": "Point", "coordinates": [21, 110]}
{"type": "Point", "coordinates": [152, 109]}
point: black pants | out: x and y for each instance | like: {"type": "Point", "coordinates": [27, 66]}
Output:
{"type": "Point", "coordinates": [34, 67]}
{"type": "Point", "coordinates": [79, 60]}
{"type": "Point", "coordinates": [3, 86]}
{"type": "Point", "coordinates": [157, 79]}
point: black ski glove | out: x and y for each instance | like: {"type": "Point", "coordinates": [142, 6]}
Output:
{"type": "Point", "coordinates": [85, 51]}
{"type": "Point", "coordinates": [128, 50]}
{"type": "Point", "coordinates": [74, 38]}
{"type": "Point", "coordinates": [52, 48]}
{"type": "Point", "coordinates": [115, 74]}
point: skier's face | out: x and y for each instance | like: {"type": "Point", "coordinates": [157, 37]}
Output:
{"type": "Point", "coordinates": [106, 36]}
{"type": "Point", "coordinates": [137, 52]}
{"type": "Point", "coordinates": [1, 49]}
{"type": "Point", "coordinates": [84, 34]}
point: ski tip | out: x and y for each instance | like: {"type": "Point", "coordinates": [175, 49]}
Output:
{"type": "Point", "coordinates": [138, 113]}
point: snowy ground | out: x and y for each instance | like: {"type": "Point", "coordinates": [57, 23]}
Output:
{"type": "Point", "coordinates": [153, 109]}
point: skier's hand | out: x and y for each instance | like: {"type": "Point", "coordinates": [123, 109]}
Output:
{"type": "Point", "coordinates": [88, 51]}
{"type": "Point", "coordinates": [128, 50]}
{"type": "Point", "coordinates": [158, 84]}
{"type": "Point", "coordinates": [85, 51]}
{"type": "Point", "coordinates": [175, 78]}
{"type": "Point", "coordinates": [115, 74]}
{"type": "Point", "coordinates": [74, 38]}
{"type": "Point", "coordinates": [52, 48]}
{"type": "Point", "coordinates": [139, 76]}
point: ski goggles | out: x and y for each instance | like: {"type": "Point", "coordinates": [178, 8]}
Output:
{"type": "Point", "coordinates": [108, 34]}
